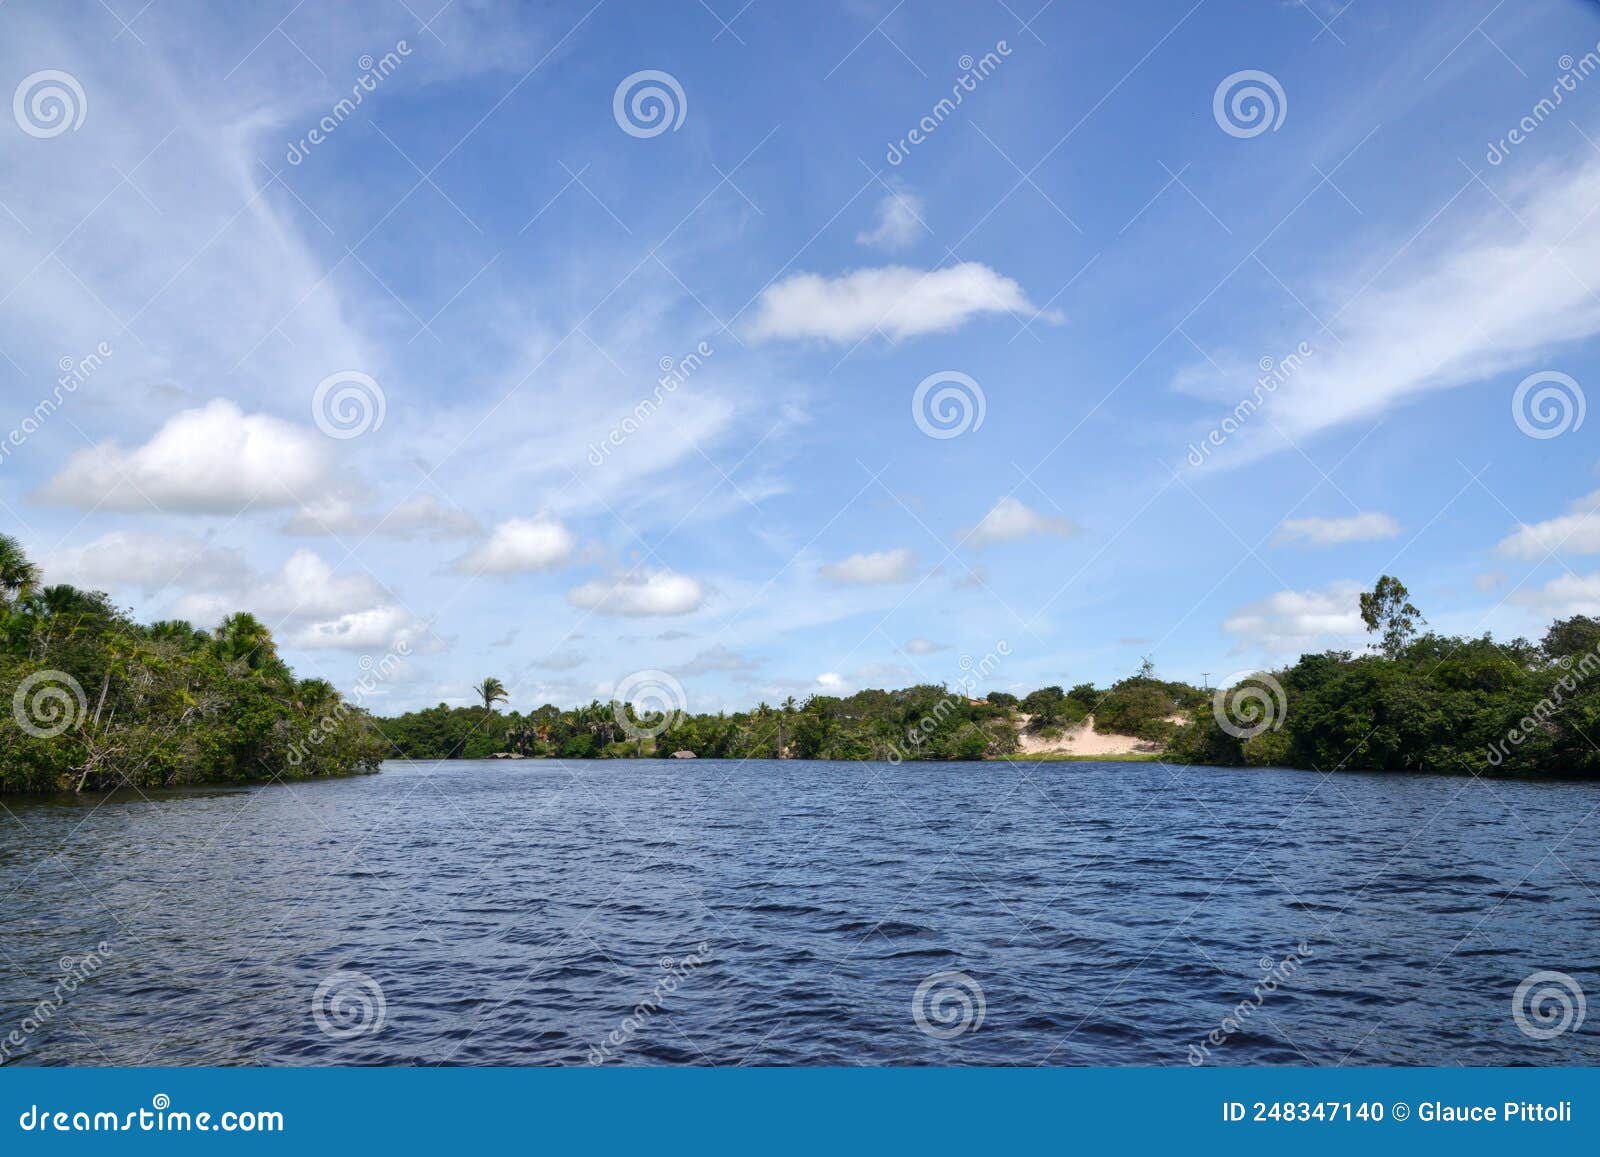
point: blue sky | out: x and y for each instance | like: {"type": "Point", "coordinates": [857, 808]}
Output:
{"type": "Point", "coordinates": [1095, 244]}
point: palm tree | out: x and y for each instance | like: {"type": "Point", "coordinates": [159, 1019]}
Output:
{"type": "Point", "coordinates": [18, 576]}
{"type": "Point", "coordinates": [492, 691]}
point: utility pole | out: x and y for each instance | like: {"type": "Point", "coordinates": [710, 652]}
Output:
{"type": "Point", "coordinates": [1205, 680]}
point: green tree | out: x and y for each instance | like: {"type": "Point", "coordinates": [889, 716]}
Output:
{"type": "Point", "coordinates": [1385, 609]}
{"type": "Point", "coordinates": [491, 691]}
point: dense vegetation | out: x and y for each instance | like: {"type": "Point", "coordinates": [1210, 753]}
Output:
{"type": "Point", "coordinates": [925, 722]}
{"type": "Point", "coordinates": [98, 701]}
{"type": "Point", "coordinates": [94, 701]}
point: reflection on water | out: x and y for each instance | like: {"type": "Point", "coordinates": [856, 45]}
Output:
{"type": "Point", "coordinates": [801, 913]}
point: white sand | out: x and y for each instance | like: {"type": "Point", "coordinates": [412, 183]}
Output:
{"type": "Point", "coordinates": [1082, 740]}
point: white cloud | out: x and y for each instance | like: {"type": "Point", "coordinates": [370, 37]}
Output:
{"type": "Point", "coordinates": [925, 646]}
{"type": "Point", "coordinates": [1568, 594]}
{"type": "Point", "coordinates": [896, 300]}
{"type": "Point", "coordinates": [717, 658]}
{"type": "Point", "coordinates": [423, 516]}
{"type": "Point", "coordinates": [900, 217]}
{"type": "Point", "coordinates": [1290, 622]}
{"type": "Point", "coordinates": [212, 460]}
{"type": "Point", "coordinates": [519, 545]}
{"type": "Point", "coordinates": [311, 606]}
{"type": "Point", "coordinates": [1010, 520]}
{"type": "Point", "coordinates": [884, 566]}
{"type": "Point", "coordinates": [148, 563]}
{"type": "Point", "coordinates": [831, 681]}
{"type": "Point", "coordinates": [1470, 299]}
{"type": "Point", "coordinates": [1367, 526]}
{"type": "Point", "coordinates": [640, 593]}
{"type": "Point", "coordinates": [1577, 532]}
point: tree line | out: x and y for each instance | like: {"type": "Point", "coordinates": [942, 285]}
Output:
{"type": "Point", "coordinates": [94, 701]}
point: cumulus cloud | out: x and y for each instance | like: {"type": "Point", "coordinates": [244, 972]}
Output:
{"type": "Point", "coordinates": [1290, 622]}
{"type": "Point", "coordinates": [884, 566]}
{"type": "Point", "coordinates": [1368, 526]}
{"type": "Point", "coordinates": [640, 593]}
{"type": "Point", "coordinates": [213, 460]}
{"type": "Point", "coordinates": [147, 563]}
{"type": "Point", "coordinates": [895, 300]}
{"type": "Point", "coordinates": [1576, 532]}
{"type": "Point", "coordinates": [1010, 520]}
{"type": "Point", "coordinates": [717, 658]}
{"type": "Point", "coordinates": [312, 606]}
{"type": "Point", "coordinates": [423, 516]}
{"type": "Point", "coordinates": [1568, 594]}
{"type": "Point", "coordinates": [519, 545]}
{"type": "Point", "coordinates": [900, 217]}
{"type": "Point", "coordinates": [921, 646]}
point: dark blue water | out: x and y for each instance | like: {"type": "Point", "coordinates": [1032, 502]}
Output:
{"type": "Point", "coordinates": [547, 913]}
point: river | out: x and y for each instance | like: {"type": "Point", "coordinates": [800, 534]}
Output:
{"type": "Point", "coordinates": [658, 912]}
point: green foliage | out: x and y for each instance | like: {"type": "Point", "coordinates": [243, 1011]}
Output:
{"type": "Point", "coordinates": [925, 722]}
{"type": "Point", "coordinates": [1386, 611]}
{"type": "Point", "coordinates": [1437, 705]}
{"type": "Point", "coordinates": [94, 701]}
